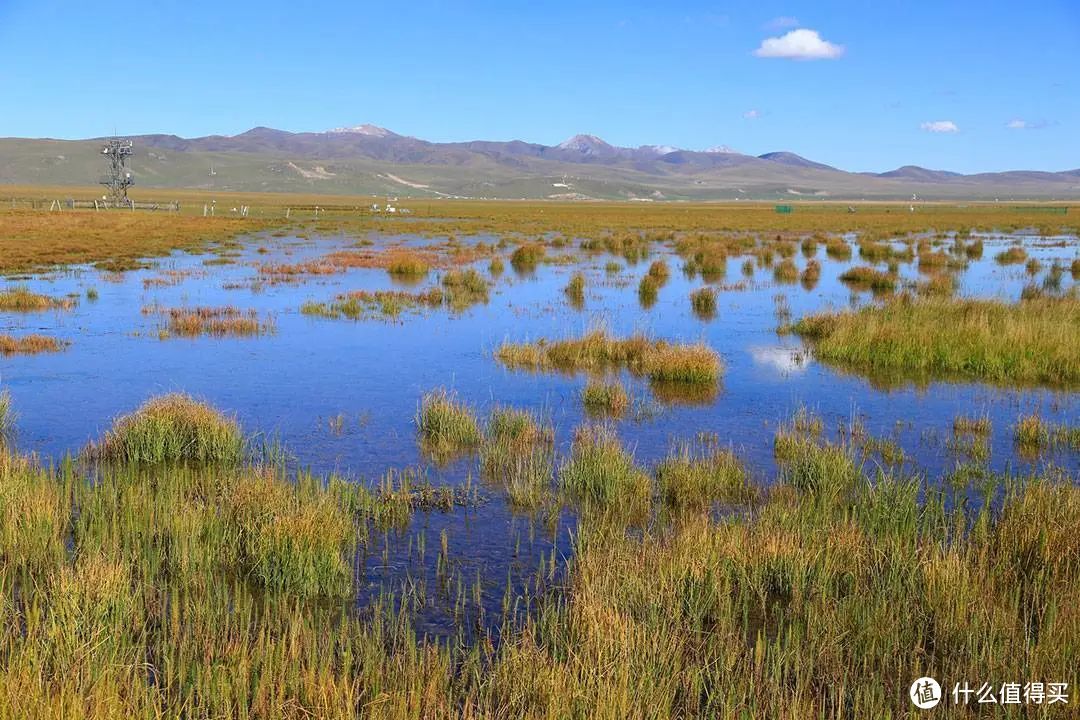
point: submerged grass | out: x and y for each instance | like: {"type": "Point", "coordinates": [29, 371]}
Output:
{"type": "Point", "coordinates": [1033, 341]}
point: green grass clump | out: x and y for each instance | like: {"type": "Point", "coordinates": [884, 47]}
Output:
{"type": "Point", "coordinates": [22, 299]}
{"type": "Point", "coordinates": [703, 302]}
{"type": "Point", "coordinates": [445, 425]}
{"type": "Point", "coordinates": [575, 289]}
{"type": "Point", "coordinates": [864, 277]}
{"type": "Point", "coordinates": [1013, 256]}
{"type": "Point", "coordinates": [517, 452]}
{"type": "Point", "coordinates": [7, 418]}
{"type": "Point", "coordinates": [612, 267]}
{"type": "Point", "coordinates": [171, 428]}
{"type": "Point", "coordinates": [695, 477]}
{"type": "Point", "coordinates": [292, 540]}
{"type": "Point", "coordinates": [824, 469]}
{"type": "Point", "coordinates": [605, 398]}
{"type": "Point", "coordinates": [526, 257]}
{"type": "Point", "coordinates": [601, 473]}
{"type": "Point", "coordinates": [1074, 269]}
{"type": "Point", "coordinates": [496, 266]}
{"type": "Point", "coordinates": [464, 288]}
{"type": "Point", "coordinates": [1028, 342]}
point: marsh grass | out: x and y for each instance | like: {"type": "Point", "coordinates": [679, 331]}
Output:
{"type": "Point", "coordinates": [597, 350]}
{"type": "Point", "coordinates": [464, 288]}
{"type": "Point", "coordinates": [811, 274]}
{"type": "Point", "coordinates": [1028, 342]}
{"type": "Point", "coordinates": [29, 344]}
{"type": "Point", "coordinates": [7, 419]}
{"type": "Point", "coordinates": [446, 426]}
{"type": "Point", "coordinates": [407, 264]}
{"type": "Point", "coordinates": [864, 277]}
{"type": "Point", "coordinates": [696, 474]}
{"type": "Point", "coordinates": [526, 257]}
{"type": "Point", "coordinates": [213, 321]}
{"type": "Point", "coordinates": [648, 291]}
{"type": "Point", "coordinates": [575, 290]}
{"type": "Point", "coordinates": [601, 474]}
{"type": "Point", "coordinates": [1033, 435]}
{"type": "Point", "coordinates": [602, 398]}
{"type": "Point", "coordinates": [1012, 256]}
{"type": "Point", "coordinates": [786, 271]}
{"type": "Point", "coordinates": [171, 429]}
{"type": "Point", "coordinates": [22, 299]}
{"type": "Point", "coordinates": [703, 302]}
{"type": "Point", "coordinates": [517, 451]}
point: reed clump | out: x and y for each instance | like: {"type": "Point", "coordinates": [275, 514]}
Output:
{"type": "Point", "coordinates": [171, 429]}
{"type": "Point", "coordinates": [1027, 342]}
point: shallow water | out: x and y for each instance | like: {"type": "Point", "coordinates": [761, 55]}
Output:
{"type": "Point", "coordinates": [372, 373]}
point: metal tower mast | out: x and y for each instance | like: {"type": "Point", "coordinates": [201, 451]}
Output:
{"type": "Point", "coordinates": [119, 179]}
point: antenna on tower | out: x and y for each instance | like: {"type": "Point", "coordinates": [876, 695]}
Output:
{"type": "Point", "coordinates": [119, 178]}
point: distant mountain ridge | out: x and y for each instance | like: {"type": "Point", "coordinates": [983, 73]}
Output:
{"type": "Point", "coordinates": [368, 159]}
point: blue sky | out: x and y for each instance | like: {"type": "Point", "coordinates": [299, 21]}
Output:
{"type": "Point", "coordinates": [966, 86]}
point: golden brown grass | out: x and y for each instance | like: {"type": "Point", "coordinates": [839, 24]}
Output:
{"type": "Point", "coordinates": [28, 344]}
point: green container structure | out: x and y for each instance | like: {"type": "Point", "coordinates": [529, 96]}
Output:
{"type": "Point", "coordinates": [784, 209]}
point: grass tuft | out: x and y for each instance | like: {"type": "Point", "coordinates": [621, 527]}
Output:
{"type": "Point", "coordinates": [171, 428]}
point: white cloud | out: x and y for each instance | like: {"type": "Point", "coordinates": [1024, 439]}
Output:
{"type": "Point", "coordinates": [1018, 124]}
{"type": "Point", "coordinates": [752, 114]}
{"type": "Point", "coordinates": [801, 44]}
{"type": "Point", "coordinates": [782, 22]}
{"type": "Point", "coordinates": [940, 126]}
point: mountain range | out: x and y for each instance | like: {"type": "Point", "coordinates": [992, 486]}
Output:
{"type": "Point", "coordinates": [370, 160]}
